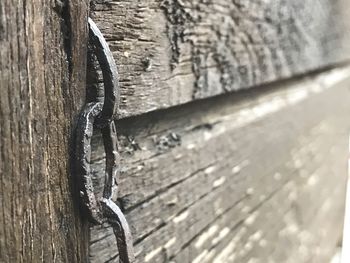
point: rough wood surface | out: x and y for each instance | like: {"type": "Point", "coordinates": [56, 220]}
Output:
{"type": "Point", "coordinates": [42, 76]}
{"type": "Point", "coordinates": [257, 176]}
{"type": "Point", "coordinates": [170, 52]}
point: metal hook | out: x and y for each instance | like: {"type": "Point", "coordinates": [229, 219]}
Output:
{"type": "Point", "coordinates": [121, 230]}
{"type": "Point", "coordinates": [109, 72]}
{"type": "Point", "coordinates": [101, 115]}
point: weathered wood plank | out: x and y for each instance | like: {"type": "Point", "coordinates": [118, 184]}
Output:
{"type": "Point", "coordinates": [42, 85]}
{"type": "Point", "coordinates": [171, 52]}
{"type": "Point", "coordinates": [194, 174]}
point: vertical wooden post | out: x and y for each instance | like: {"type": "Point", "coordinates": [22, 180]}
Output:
{"type": "Point", "coordinates": [42, 79]}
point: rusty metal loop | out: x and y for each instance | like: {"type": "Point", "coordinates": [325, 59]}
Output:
{"type": "Point", "coordinates": [109, 72]}
{"type": "Point", "coordinates": [84, 133]}
{"type": "Point", "coordinates": [103, 209]}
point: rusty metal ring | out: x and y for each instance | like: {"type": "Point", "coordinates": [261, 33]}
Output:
{"type": "Point", "coordinates": [109, 72]}
{"type": "Point", "coordinates": [90, 202]}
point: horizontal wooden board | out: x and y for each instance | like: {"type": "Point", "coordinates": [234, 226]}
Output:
{"type": "Point", "coordinates": [235, 177]}
{"type": "Point", "coordinates": [171, 52]}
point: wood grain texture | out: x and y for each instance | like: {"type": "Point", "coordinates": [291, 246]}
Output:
{"type": "Point", "coordinates": [257, 176]}
{"type": "Point", "coordinates": [170, 52]}
{"type": "Point", "coordinates": [42, 55]}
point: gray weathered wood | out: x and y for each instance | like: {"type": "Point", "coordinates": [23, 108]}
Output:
{"type": "Point", "coordinates": [42, 86]}
{"type": "Point", "coordinates": [255, 174]}
{"type": "Point", "coordinates": [170, 52]}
